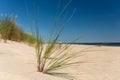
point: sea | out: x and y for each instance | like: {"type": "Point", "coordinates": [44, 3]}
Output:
{"type": "Point", "coordinates": [99, 44]}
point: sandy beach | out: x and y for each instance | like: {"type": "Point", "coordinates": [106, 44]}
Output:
{"type": "Point", "coordinates": [18, 62]}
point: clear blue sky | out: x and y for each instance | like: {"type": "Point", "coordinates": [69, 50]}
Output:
{"type": "Point", "coordinates": [96, 20]}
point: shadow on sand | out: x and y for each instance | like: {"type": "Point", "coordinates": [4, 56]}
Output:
{"type": "Point", "coordinates": [63, 75]}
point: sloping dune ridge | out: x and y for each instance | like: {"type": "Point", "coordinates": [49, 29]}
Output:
{"type": "Point", "coordinates": [18, 62]}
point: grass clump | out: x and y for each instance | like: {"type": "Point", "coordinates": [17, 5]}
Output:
{"type": "Point", "coordinates": [10, 31]}
{"type": "Point", "coordinates": [53, 56]}
{"type": "Point", "coordinates": [6, 28]}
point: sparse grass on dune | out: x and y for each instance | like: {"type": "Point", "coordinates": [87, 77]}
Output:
{"type": "Point", "coordinates": [6, 28]}
{"type": "Point", "coordinates": [10, 31]}
{"type": "Point", "coordinates": [53, 56]}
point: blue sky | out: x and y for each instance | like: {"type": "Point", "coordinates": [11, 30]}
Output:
{"type": "Point", "coordinates": [95, 20]}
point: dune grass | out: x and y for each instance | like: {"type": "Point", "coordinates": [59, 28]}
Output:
{"type": "Point", "coordinates": [10, 31]}
{"type": "Point", "coordinates": [53, 56]}
{"type": "Point", "coordinates": [6, 28]}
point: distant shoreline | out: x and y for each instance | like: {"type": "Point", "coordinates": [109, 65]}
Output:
{"type": "Point", "coordinates": [99, 44]}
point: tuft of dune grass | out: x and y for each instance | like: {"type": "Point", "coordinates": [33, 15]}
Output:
{"type": "Point", "coordinates": [53, 56]}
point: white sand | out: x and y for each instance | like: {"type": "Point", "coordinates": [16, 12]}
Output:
{"type": "Point", "coordinates": [17, 62]}
{"type": "Point", "coordinates": [9, 76]}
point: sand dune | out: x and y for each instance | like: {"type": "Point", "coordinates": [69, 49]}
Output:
{"type": "Point", "coordinates": [17, 62]}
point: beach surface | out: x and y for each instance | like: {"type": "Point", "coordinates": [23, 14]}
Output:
{"type": "Point", "coordinates": [18, 62]}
